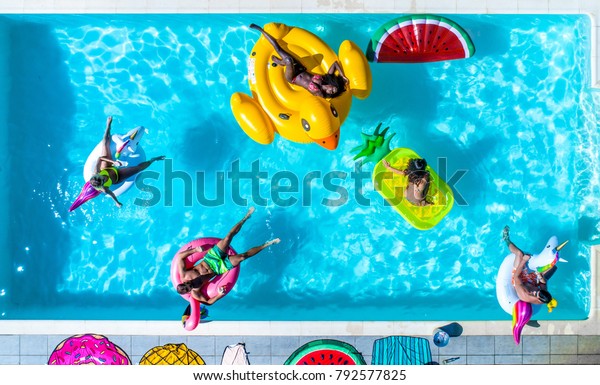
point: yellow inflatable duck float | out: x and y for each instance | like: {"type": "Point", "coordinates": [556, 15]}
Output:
{"type": "Point", "coordinates": [276, 106]}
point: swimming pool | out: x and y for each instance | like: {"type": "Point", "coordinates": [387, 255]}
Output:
{"type": "Point", "coordinates": [517, 117]}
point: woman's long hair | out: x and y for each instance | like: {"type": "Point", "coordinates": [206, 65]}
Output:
{"type": "Point", "coordinates": [334, 80]}
{"type": "Point", "coordinates": [545, 296]}
{"type": "Point", "coordinates": [417, 170]}
{"type": "Point", "coordinates": [96, 180]}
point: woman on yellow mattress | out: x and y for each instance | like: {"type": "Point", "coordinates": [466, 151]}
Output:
{"type": "Point", "coordinates": [106, 172]}
{"type": "Point", "coordinates": [329, 85]}
{"type": "Point", "coordinates": [418, 181]}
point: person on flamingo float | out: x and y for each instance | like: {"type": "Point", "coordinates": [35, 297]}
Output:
{"type": "Point", "coordinates": [215, 262]}
{"type": "Point", "coordinates": [107, 173]}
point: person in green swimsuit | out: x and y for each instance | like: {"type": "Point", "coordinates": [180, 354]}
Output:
{"type": "Point", "coordinates": [215, 262]}
{"type": "Point", "coordinates": [106, 172]}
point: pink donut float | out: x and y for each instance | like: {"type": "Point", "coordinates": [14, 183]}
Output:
{"type": "Point", "coordinates": [210, 289]}
{"type": "Point", "coordinates": [88, 349]}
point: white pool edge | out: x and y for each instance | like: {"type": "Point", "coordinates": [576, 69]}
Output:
{"type": "Point", "coordinates": [4, 143]}
{"type": "Point", "coordinates": [591, 326]}
{"type": "Point", "coordinates": [589, 7]}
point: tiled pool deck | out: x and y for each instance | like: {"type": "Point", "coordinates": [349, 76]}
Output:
{"type": "Point", "coordinates": [558, 342]}
{"type": "Point", "coordinates": [267, 350]}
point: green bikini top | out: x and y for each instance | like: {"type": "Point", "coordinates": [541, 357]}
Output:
{"type": "Point", "coordinates": [109, 181]}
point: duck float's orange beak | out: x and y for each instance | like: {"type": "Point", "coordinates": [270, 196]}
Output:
{"type": "Point", "coordinates": [330, 142]}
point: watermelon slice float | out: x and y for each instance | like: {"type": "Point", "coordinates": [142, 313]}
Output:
{"type": "Point", "coordinates": [326, 352]}
{"type": "Point", "coordinates": [419, 38]}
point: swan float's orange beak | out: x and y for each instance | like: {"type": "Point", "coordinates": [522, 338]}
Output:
{"type": "Point", "coordinates": [330, 142]}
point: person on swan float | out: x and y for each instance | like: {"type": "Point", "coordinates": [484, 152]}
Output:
{"type": "Point", "coordinates": [530, 285]}
{"type": "Point", "coordinates": [215, 262]}
{"type": "Point", "coordinates": [107, 174]}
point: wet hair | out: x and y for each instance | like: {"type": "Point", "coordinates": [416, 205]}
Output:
{"type": "Point", "coordinates": [334, 80]}
{"type": "Point", "coordinates": [417, 164]}
{"type": "Point", "coordinates": [184, 288]}
{"type": "Point", "coordinates": [96, 180]}
{"type": "Point", "coordinates": [417, 170]}
{"type": "Point", "coordinates": [197, 282]}
{"type": "Point", "coordinates": [545, 296]}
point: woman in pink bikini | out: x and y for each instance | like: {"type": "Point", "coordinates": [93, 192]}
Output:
{"type": "Point", "coordinates": [328, 86]}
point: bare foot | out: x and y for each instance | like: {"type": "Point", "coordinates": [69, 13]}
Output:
{"type": "Point", "coordinates": [272, 242]}
{"type": "Point", "coordinates": [505, 234]}
{"type": "Point", "coordinates": [277, 60]}
{"type": "Point", "coordinates": [249, 213]}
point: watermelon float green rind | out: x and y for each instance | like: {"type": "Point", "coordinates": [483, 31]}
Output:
{"type": "Point", "coordinates": [419, 38]}
{"type": "Point", "coordinates": [326, 352]}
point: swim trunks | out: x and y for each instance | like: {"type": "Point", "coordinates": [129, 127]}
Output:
{"type": "Point", "coordinates": [530, 279]}
{"type": "Point", "coordinates": [217, 260]}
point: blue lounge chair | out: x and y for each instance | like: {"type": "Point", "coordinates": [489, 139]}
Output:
{"type": "Point", "coordinates": [401, 350]}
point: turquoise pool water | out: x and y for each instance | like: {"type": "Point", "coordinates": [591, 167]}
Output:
{"type": "Point", "coordinates": [516, 121]}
